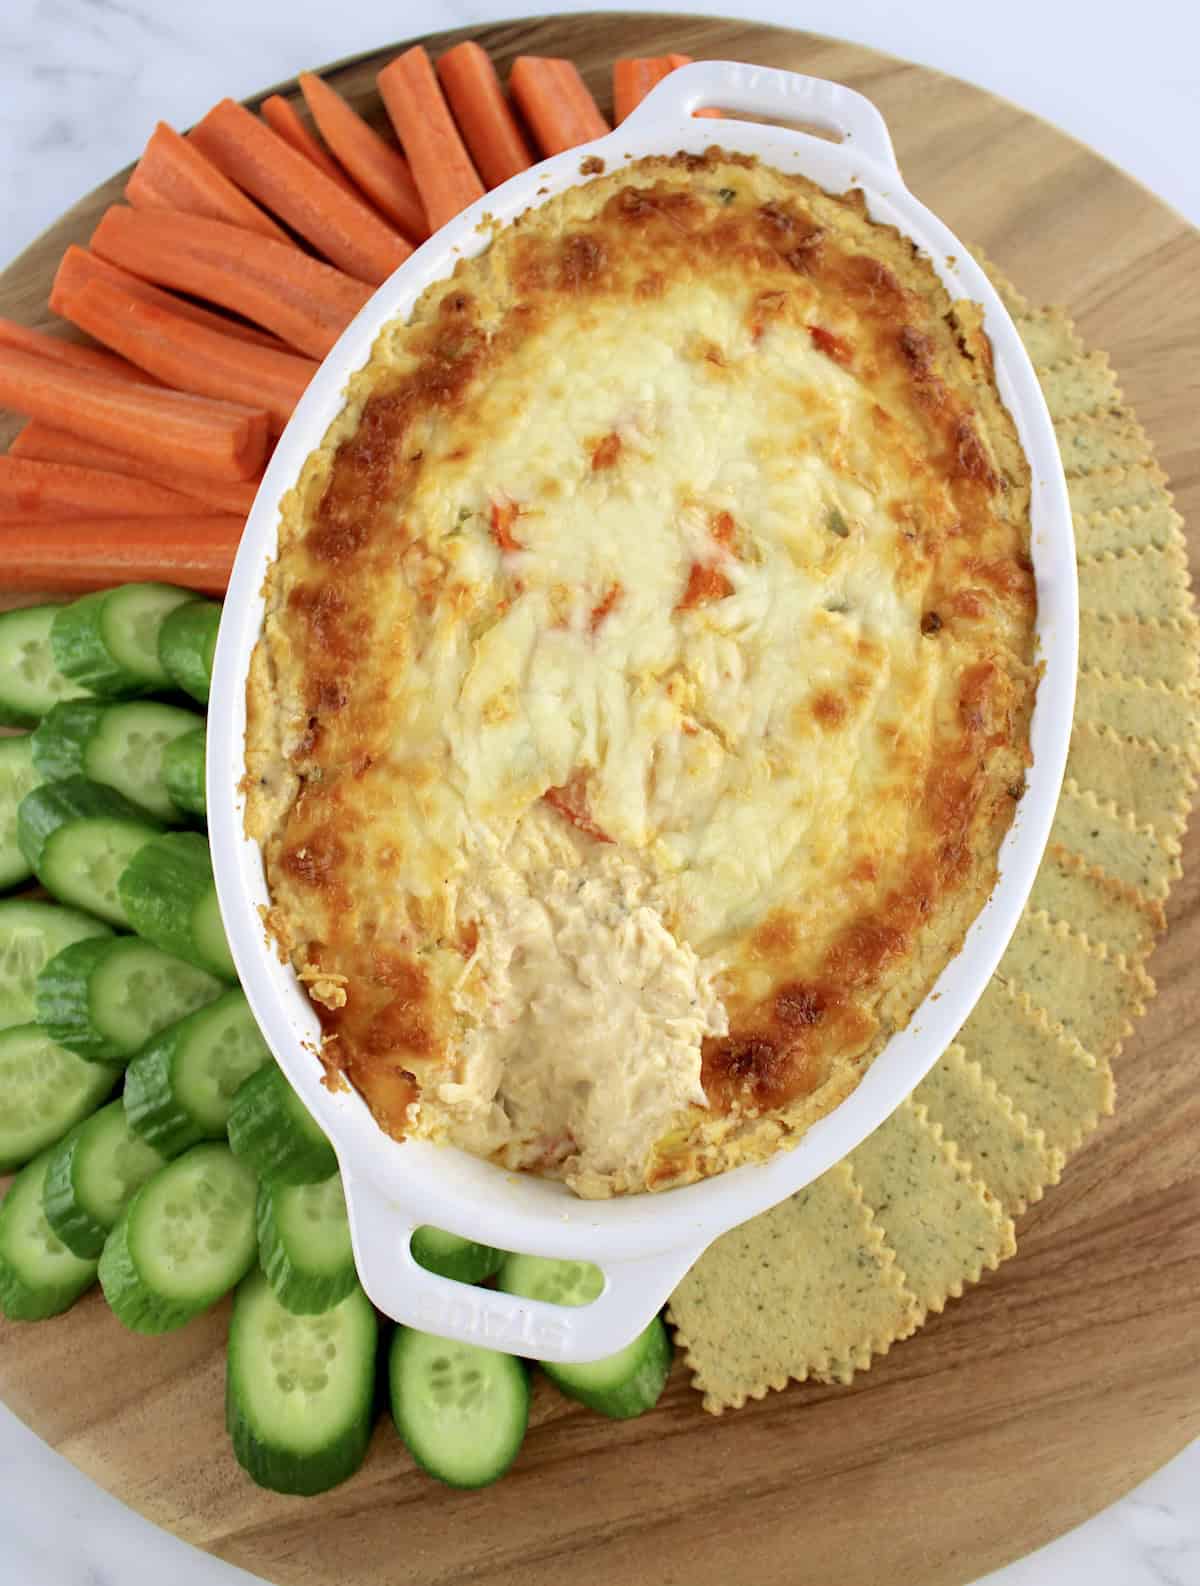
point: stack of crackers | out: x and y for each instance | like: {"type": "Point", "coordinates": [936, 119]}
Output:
{"type": "Point", "coordinates": [818, 1286]}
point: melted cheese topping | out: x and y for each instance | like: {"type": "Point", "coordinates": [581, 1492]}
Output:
{"type": "Point", "coordinates": [646, 680]}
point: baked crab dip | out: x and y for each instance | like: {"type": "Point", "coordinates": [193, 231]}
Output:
{"type": "Point", "coordinates": [645, 684]}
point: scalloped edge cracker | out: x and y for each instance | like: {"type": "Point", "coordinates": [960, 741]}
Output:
{"type": "Point", "coordinates": [1052, 1082]}
{"type": "Point", "coordinates": [1080, 386]}
{"type": "Point", "coordinates": [1091, 441]}
{"type": "Point", "coordinates": [1150, 584]}
{"type": "Point", "coordinates": [1128, 528]}
{"type": "Point", "coordinates": [1067, 888]}
{"type": "Point", "coordinates": [995, 1142]}
{"type": "Point", "coordinates": [1015, 302]}
{"type": "Point", "coordinates": [944, 1226]}
{"type": "Point", "coordinates": [1127, 487]}
{"type": "Point", "coordinates": [805, 1286]}
{"type": "Point", "coordinates": [1110, 836]}
{"type": "Point", "coordinates": [1164, 652]}
{"type": "Point", "coordinates": [1084, 990]}
{"type": "Point", "coordinates": [1049, 335]}
{"type": "Point", "coordinates": [1154, 784]}
{"type": "Point", "coordinates": [1135, 708]}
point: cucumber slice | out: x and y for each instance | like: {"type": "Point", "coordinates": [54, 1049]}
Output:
{"type": "Point", "coordinates": [451, 1256]}
{"type": "Point", "coordinates": [304, 1244]}
{"type": "Point", "coordinates": [183, 772]}
{"type": "Point", "coordinates": [79, 837]}
{"type": "Point", "coordinates": [185, 1239]}
{"type": "Point", "coordinates": [622, 1385]}
{"type": "Point", "coordinates": [273, 1132]}
{"type": "Point", "coordinates": [186, 642]}
{"type": "Point", "coordinates": [461, 1410]}
{"type": "Point", "coordinates": [93, 1174]}
{"type": "Point", "coordinates": [105, 999]}
{"type": "Point", "coordinates": [120, 746]}
{"type": "Point", "coordinates": [18, 776]}
{"type": "Point", "coordinates": [39, 1276]}
{"type": "Point", "coordinates": [299, 1390]}
{"type": "Point", "coordinates": [180, 1086]}
{"type": "Point", "coordinates": [108, 642]}
{"type": "Point", "coordinates": [169, 897]}
{"type": "Point", "coordinates": [47, 1091]}
{"type": "Point", "coordinates": [30, 681]}
{"type": "Point", "coordinates": [31, 934]}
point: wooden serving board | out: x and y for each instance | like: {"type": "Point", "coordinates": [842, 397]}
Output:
{"type": "Point", "coordinates": [1040, 1397]}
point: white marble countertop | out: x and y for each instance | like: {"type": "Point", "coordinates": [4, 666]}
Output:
{"type": "Point", "coordinates": [81, 84]}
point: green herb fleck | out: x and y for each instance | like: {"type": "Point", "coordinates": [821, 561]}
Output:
{"type": "Point", "coordinates": [726, 195]}
{"type": "Point", "coordinates": [837, 524]}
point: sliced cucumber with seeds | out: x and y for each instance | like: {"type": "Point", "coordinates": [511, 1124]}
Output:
{"type": "Point", "coordinates": [39, 1276]}
{"type": "Point", "coordinates": [273, 1132]}
{"type": "Point", "coordinates": [105, 999]}
{"type": "Point", "coordinates": [299, 1390]}
{"type": "Point", "coordinates": [30, 680]}
{"type": "Point", "coordinates": [185, 1239]}
{"type": "Point", "coordinates": [119, 745]}
{"type": "Point", "coordinates": [304, 1244]}
{"type": "Point", "coordinates": [180, 1087]}
{"type": "Point", "coordinates": [46, 1091]}
{"type": "Point", "coordinates": [18, 776]}
{"type": "Point", "coordinates": [93, 1175]}
{"type": "Point", "coordinates": [31, 934]}
{"type": "Point", "coordinates": [451, 1256]}
{"type": "Point", "coordinates": [186, 643]}
{"type": "Point", "coordinates": [461, 1410]}
{"type": "Point", "coordinates": [620, 1385]}
{"type": "Point", "coordinates": [108, 642]}
{"type": "Point", "coordinates": [169, 897]}
{"type": "Point", "coordinates": [183, 772]}
{"type": "Point", "coordinates": [79, 837]}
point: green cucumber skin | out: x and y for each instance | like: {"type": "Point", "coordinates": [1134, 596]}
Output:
{"type": "Point", "coordinates": [186, 642]}
{"type": "Point", "coordinates": [61, 738]}
{"type": "Point", "coordinates": [183, 772]}
{"type": "Point", "coordinates": [99, 1080]}
{"type": "Point", "coordinates": [20, 1300]}
{"type": "Point", "coordinates": [460, 1260]}
{"type": "Point", "coordinates": [83, 1233]}
{"type": "Point", "coordinates": [273, 1133]}
{"type": "Point", "coordinates": [91, 738]}
{"type": "Point", "coordinates": [55, 804]}
{"type": "Point", "coordinates": [299, 1290]}
{"type": "Point", "coordinates": [162, 887]}
{"type": "Point", "coordinates": [266, 1459]}
{"type": "Point", "coordinates": [80, 649]}
{"type": "Point", "coordinates": [62, 1001]}
{"type": "Point", "coordinates": [27, 626]}
{"type": "Point", "coordinates": [638, 1393]}
{"type": "Point", "coordinates": [404, 1338]}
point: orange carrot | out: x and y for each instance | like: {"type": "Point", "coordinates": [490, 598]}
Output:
{"type": "Point", "coordinates": [345, 229]}
{"type": "Point", "coordinates": [173, 174]}
{"type": "Point", "coordinates": [675, 61]}
{"type": "Point", "coordinates": [489, 128]}
{"type": "Point", "coordinates": [284, 120]}
{"type": "Point", "coordinates": [633, 78]}
{"type": "Point", "coordinates": [305, 302]}
{"type": "Point", "coordinates": [381, 171]}
{"type": "Point", "coordinates": [93, 553]}
{"type": "Point", "coordinates": [441, 166]}
{"type": "Point", "coordinates": [40, 443]}
{"type": "Point", "coordinates": [190, 357]}
{"type": "Point", "coordinates": [198, 435]}
{"type": "Point", "coordinates": [77, 266]}
{"type": "Point", "coordinates": [554, 100]}
{"type": "Point", "coordinates": [72, 353]}
{"type": "Point", "coordinates": [52, 491]}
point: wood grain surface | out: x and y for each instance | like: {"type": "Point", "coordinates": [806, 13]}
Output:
{"type": "Point", "coordinates": [1045, 1393]}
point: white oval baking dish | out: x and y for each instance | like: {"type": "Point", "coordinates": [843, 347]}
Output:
{"type": "Point", "coordinates": [644, 1243]}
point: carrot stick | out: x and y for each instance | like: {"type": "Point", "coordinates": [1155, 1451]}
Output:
{"type": "Point", "coordinates": [554, 100]}
{"type": "Point", "coordinates": [489, 128]}
{"type": "Point", "coordinates": [173, 174]}
{"type": "Point", "coordinates": [40, 443]}
{"type": "Point", "coordinates": [77, 266]}
{"type": "Point", "coordinates": [190, 357]}
{"type": "Point", "coordinates": [92, 553]}
{"type": "Point", "coordinates": [284, 120]}
{"type": "Point", "coordinates": [441, 166]}
{"type": "Point", "coordinates": [633, 78]}
{"type": "Point", "coordinates": [381, 171]}
{"type": "Point", "coordinates": [675, 61]}
{"type": "Point", "coordinates": [345, 229]}
{"type": "Point", "coordinates": [305, 302]}
{"type": "Point", "coordinates": [53, 491]}
{"type": "Point", "coordinates": [71, 353]}
{"type": "Point", "coordinates": [198, 435]}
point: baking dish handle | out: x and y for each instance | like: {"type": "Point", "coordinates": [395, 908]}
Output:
{"type": "Point", "coordinates": [765, 91]}
{"type": "Point", "coordinates": [402, 1289]}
